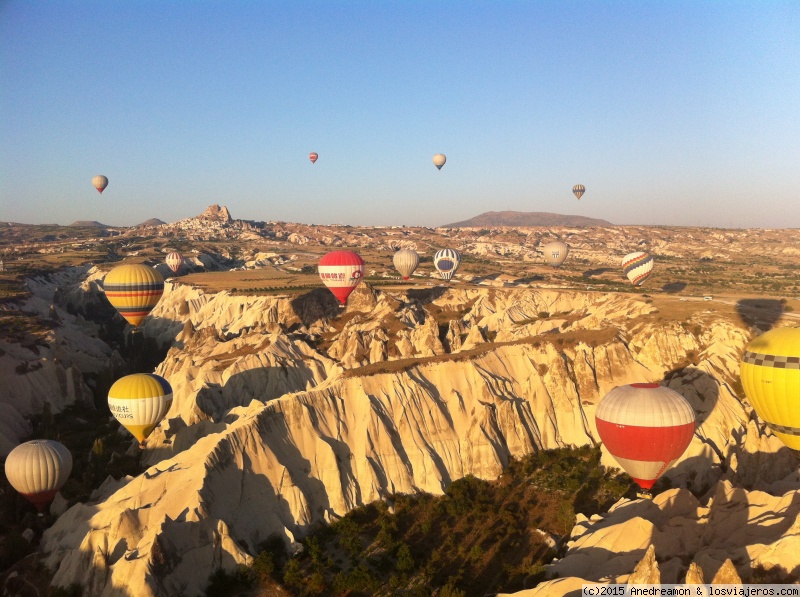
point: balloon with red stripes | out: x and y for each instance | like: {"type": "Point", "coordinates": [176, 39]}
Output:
{"type": "Point", "coordinates": [341, 271]}
{"type": "Point", "coordinates": [313, 156]}
{"type": "Point", "coordinates": [646, 428]}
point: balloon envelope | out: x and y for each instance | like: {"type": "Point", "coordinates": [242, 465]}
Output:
{"type": "Point", "coordinates": [770, 372]}
{"type": "Point", "coordinates": [555, 253]}
{"type": "Point", "coordinates": [100, 182]}
{"type": "Point", "coordinates": [406, 261]}
{"type": "Point", "coordinates": [341, 271]}
{"type": "Point", "coordinates": [133, 290]}
{"type": "Point", "coordinates": [578, 190]}
{"type": "Point", "coordinates": [139, 402]}
{"type": "Point", "coordinates": [646, 428]}
{"type": "Point", "coordinates": [446, 262]}
{"type": "Point", "coordinates": [38, 469]}
{"type": "Point", "coordinates": [637, 266]}
{"type": "Point", "coordinates": [313, 156]}
{"type": "Point", "coordinates": [438, 160]}
{"type": "Point", "coordinates": [174, 260]}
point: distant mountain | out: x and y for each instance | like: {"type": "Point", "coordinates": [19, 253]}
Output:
{"type": "Point", "coordinates": [87, 223]}
{"type": "Point", "coordinates": [526, 218]}
{"type": "Point", "coordinates": [152, 222]}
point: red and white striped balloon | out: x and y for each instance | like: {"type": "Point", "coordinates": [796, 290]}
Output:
{"type": "Point", "coordinates": [313, 156]}
{"type": "Point", "coordinates": [645, 427]}
{"type": "Point", "coordinates": [341, 271]}
{"type": "Point", "coordinates": [174, 260]}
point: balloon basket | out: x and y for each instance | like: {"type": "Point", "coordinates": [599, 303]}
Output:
{"type": "Point", "coordinates": [644, 494]}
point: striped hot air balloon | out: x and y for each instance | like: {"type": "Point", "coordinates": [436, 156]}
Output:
{"type": "Point", "coordinates": [313, 156]}
{"type": "Point", "coordinates": [646, 428]}
{"type": "Point", "coordinates": [770, 372]}
{"type": "Point", "coordinates": [139, 402]}
{"type": "Point", "coordinates": [578, 190]}
{"type": "Point", "coordinates": [446, 262]}
{"type": "Point", "coordinates": [555, 253]}
{"type": "Point", "coordinates": [341, 271]}
{"type": "Point", "coordinates": [38, 469]}
{"type": "Point", "coordinates": [174, 260]}
{"type": "Point", "coordinates": [133, 290]}
{"type": "Point", "coordinates": [406, 261]}
{"type": "Point", "coordinates": [637, 266]}
{"type": "Point", "coordinates": [100, 182]}
{"type": "Point", "coordinates": [438, 160]}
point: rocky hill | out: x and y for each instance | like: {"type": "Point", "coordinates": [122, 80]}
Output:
{"type": "Point", "coordinates": [89, 223]}
{"type": "Point", "coordinates": [526, 218]}
{"type": "Point", "coordinates": [152, 222]}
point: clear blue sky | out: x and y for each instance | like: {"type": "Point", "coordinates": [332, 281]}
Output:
{"type": "Point", "coordinates": [668, 112]}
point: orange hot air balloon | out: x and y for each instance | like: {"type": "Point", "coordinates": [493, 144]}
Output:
{"type": "Point", "coordinates": [313, 156]}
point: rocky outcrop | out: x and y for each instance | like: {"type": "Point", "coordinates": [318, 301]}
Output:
{"type": "Point", "coordinates": [734, 532]}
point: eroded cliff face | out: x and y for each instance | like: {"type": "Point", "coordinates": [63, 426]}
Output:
{"type": "Point", "coordinates": [47, 364]}
{"type": "Point", "coordinates": [288, 412]}
{"type": "Point", "coordinates": [678, 539]}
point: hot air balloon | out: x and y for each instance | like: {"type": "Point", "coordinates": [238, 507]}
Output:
{"type": "Point", "coordinates": [405, 261]}
{"type": "Point", "coordinates": [100, 182]}
{"type": "Point", "coordinates": [174, 260]}
{"type": "Point", "coordinates": [555, 253]}
{"type": "Point", "coordinates": [139, 402]}
{"type": "Point", "coordinates": [38, 469]}
{"type": "Point", "coordinates": [770, 372]}
{"type": "Point", "coordinates": [645, 427]}
{"type": "Point", "coordinates": [438, 160]}
{"type": "Point", "coordinates": [133, 290]}
{"type": "Point", "coordinates": [446, 262]}
{"type": "Point", "coordinates": [578, 190]}
{"type": "Point", "coordinates": [313, 156]}
{"type": "Point", "coordinates": [637, 266]}
{"type": "Point", "coordinates": [341, 271]}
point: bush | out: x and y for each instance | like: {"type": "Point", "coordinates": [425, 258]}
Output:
{"type": "Point", "coordinates": [227, 584]}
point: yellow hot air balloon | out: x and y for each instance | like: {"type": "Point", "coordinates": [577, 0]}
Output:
{"type": "Point", "coordinates": [770, 371]}
{"type": "Point", "coordinates": [139, 402]}
{"type": "Point", "coordinates": [133, 290]}
{"type": "Point", "coordinates": [38, 469]}
{"type": "Point", "coordinates": [438, 160]}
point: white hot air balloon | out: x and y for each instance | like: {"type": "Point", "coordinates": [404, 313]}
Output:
{"type": "Point", "coordinates": [446, 262]}
{"type": "Point", "coordinates": [100, 182]}
{"type": "Point", "coordinates": [38, 469]}
{"type": "Point", "coordinates": [555, 253]}
{"type": "Point", "coordinates": [438, 160]}
{"type": "Point", "coordinates": [637, 266]}
{"type": "Point", "coordinates": [174, 260]}
{"type": "Point", "coordinates": [405, 262]}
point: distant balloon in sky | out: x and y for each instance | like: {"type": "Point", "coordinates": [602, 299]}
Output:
{"type": "Point", "coordinates": [139, 402]}
{"type": "Point", "coordinates": [406, 261]}
{"type": "Point", "coordinates": [637, 266]}
{"type": "Point", "coordinates": [174, 260]}
{"type": "Point", "coordinates": [446, 262]}
{"type": "Point", "coordinates": [100, 182]}
{"type": "Point", "coordinates": [438, 160]}
{"type": "Point", "coordinates": [555, 253]}
{"type": "Point", "coordinates": [133, 290]}
{"type": "Point", "coordinates": [341, 271]}
{"type": "Point", "coordinates": [38, 469]}
{"type": "Point", "coordinates": [770, 372]}
{"type": "Point", "coordinates": [578, 190]}
{"type": "Point", "coordinates": [645, 427]}
{"type": "Point", "coordinates": [313, 156]}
